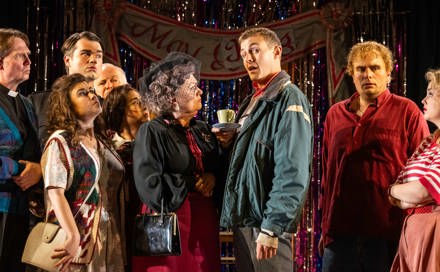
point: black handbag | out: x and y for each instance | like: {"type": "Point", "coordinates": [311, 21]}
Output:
{"type": "Point", "coordinates": [156, 234]}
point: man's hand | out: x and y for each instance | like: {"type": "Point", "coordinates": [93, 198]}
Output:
{"type": "Point", "coordinates": [266, 246]}
{"type": "Point", "coordinates": [225, 138]}
{"type": "Point", "coordinates": [29, 176]}
{"type": "Point", "coordinates": [265, 252]}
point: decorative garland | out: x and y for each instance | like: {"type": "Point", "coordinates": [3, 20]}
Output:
{"type": "Point", "coordinates": [49, 25]}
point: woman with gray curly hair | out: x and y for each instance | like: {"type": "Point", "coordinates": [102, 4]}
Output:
{"type": "Point", "coordinates": [175, 158]}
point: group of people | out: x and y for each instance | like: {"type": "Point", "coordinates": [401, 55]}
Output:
{"type": "Point", "coordinates": [74, 143]}
{"type": "Point", "coordinates": [90, 143]}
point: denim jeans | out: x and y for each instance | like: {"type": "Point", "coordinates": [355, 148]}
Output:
{"type": "Point", "coordinates": [358, 254]}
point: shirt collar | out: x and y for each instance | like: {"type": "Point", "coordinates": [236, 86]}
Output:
{"type": "Point", "coordinates": [260, 90]}
{"type": "Point", "coordinates": [353, 100]}
{"type": "Point", "coordinates": [7, 92]}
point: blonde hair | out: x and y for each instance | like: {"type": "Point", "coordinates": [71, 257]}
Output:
{"type": "Point", "coordinates": [433, 77]}
{"type": "Point", "coordinates": [363, 49]}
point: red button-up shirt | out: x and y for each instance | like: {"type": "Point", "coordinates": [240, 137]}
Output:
{"type": "Point", "coordinates": [362, 156]}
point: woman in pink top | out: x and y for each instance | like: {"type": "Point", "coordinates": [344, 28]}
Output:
{"type": "Point", "coordinates": [418, 189]}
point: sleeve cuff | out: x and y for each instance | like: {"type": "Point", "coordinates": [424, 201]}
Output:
{"type": "Point", "coordinates": [432, 191]}
{"type": "Point", "coordinates": [268, 232]}
{"type": "Point", "coordinates": [276, 230]}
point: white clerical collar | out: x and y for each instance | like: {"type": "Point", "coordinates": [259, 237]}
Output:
{"type": "Point", "coordinates": [12, 93]}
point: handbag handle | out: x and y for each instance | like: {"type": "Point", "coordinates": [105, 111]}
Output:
{"type": "Point", "coordinates": [161, 210]}
{"type": "Point", "coordinates": [82, 204]}
{"type": "Point", "coordinates": [87, 198]}
{"type": "Point", "coordinates": [144, 210]}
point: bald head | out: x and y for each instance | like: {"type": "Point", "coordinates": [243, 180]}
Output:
{"type": "Point", "coordinates": [110, 77]}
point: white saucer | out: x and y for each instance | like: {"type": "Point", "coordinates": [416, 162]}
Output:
{"type": "Point", "coordinates": [226, 126]}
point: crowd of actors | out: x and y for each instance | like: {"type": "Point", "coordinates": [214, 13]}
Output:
{"type": "Point", "coordinates": [104, 152]}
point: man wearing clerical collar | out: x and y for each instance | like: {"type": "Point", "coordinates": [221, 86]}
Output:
{"type": "Point", "coordinates": [19, 148]}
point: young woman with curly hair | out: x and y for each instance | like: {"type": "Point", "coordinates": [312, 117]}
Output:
{"type": "Point", "coordinates": [82, 176]}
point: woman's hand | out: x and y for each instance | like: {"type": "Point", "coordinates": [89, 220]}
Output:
{"type": "Point", "coordinates": [205, 184]}
{"type": "Point", "coordinates": [66, 253]}
{"type": "Point", "coordinates": [409, 195]}
{"type": "Point", "coordinates": [65, 217]}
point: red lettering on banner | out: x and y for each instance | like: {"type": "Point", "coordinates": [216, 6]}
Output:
{"type": "Point", "coordinates": [288, 44]}
{"type": "Point", "coordinates": [159, 39]}
{"type": "Point", "coordinates": [232, 56]}
{"type": "Point", "coordinates": [154, 36]}
{"type": "Point", "coordinates": [139, 30]}
{"type": "Point", "coordinates": [182, 46]}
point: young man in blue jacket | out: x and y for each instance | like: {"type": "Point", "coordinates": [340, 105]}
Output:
{"type": "Point", "coordinates": [269, 170]}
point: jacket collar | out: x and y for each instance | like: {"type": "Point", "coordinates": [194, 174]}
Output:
{"type": "Point", "coordinates": [275, 86]}
{"type": "Point", "coordinates": [169, 120]}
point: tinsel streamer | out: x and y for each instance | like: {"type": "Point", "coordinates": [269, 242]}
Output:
{"type": "Point", "coordinates": [373, 19]}
{"type": "Point", "coordinates": [399, 33]}
{"type": "Point", "coordinates": [304, 236]}
{"type": "Point", "coordinates": [320, 107]}
{"type": "Point", "coordinates": [378, 20]}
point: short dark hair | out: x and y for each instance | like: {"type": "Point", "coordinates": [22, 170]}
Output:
{"type": "Point", "coordinates": [6, 35]}
{"type": "Point", "coordinates": [69, 44]}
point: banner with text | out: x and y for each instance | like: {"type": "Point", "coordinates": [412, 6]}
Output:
{"type": "Point", "coordinates": [154, 36]}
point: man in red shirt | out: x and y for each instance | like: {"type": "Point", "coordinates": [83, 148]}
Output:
{"type": "Point", "coordinates": [367, 140]}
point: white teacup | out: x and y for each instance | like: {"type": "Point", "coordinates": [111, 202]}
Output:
{"type": "Point", "coordinates": [226, 116]}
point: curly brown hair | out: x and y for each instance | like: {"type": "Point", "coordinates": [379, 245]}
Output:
{"type": "Point", "coordinates": [61, 114]}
